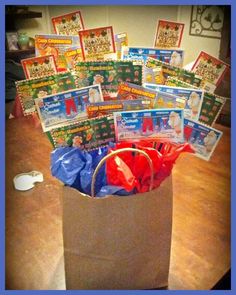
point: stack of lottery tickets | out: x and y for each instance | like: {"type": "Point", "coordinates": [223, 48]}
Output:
{"type": "Point", "coordinates": [89, 88]}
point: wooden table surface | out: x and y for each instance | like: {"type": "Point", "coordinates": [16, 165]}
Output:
{"type": "Point", "coordinates": [200, 252]}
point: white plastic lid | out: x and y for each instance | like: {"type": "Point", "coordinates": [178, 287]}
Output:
{"type": "Point", "coordinates": [26, 181]}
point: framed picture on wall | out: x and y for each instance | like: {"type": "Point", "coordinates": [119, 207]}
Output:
{"type": "Point", "coordinates": [12, 41]}
{"type": "Point", "coordinates": [207, 21]}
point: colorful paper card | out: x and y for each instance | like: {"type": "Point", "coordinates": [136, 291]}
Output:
{"type": "Point", "coordinates": [168, 70]}
{"type": "Point", "coordinates": [72, 56]}
{"type": "Point", "coordinates": [156, 123]}
{"type": "Point", "coordinates": [173, 57]}
{"type": "Point", "coordinates": [55, 45]}
{"type": "Point", "coordinates": [28, 90]}
{"type": "Point", "coordinates": [168, 34]}
{"type": "Point", "coordinates": [133, 91]}
{"type": "Point", "coordinates": [66, 106]}
{"type": "Point", "coordinates": [163, 71]}
{"type": "Point", "coordinates": [212, 105]}
{"type": "Point", "coordinates": [210, 68]}
{"type": "Point", "coordinates": [153, 75]}
{"type": "Point", "coordinates": [172, 81]}
{"type": "Point", "coordinates": [158, 99]}
{"type": "Point", "coordinates": [68, 24]}
{"type": "Point", "coordinates": [121, 40]}
{"type": "Point", "coordinates": [109, 107]}
{"type": "Point", "coordinates": [87, 134]}
{"type": "Point", "coordinates": [95, 43]}
{"type": "Point", "coordinates": [192, 97]}
{"type": "Point", "coordinates": [36, 67]}
{"type": "Point", "coordinates": [209, 87]}
{"type": "Point", "coordinates": [109, 74]}
{"type": "Point", "coordinates": [167, 100]}
{"type": "Point", "coordinates": [204, 139]}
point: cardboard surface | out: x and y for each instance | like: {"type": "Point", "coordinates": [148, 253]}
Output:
{"type": "Point", "coordinates": [117, 242]}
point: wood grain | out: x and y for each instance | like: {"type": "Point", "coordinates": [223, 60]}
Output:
{"type": "Point", "coordinates": [200, 252]}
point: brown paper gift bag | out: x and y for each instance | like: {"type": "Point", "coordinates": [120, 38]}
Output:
{"type": "Point", "coordinates": [117, 242]}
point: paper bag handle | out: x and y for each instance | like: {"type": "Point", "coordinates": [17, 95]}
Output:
{"type": "Point", "coordinates": [112, 154]}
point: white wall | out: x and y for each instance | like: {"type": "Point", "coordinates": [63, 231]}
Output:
{"type": "Point", "coordinates": [138, 21]}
